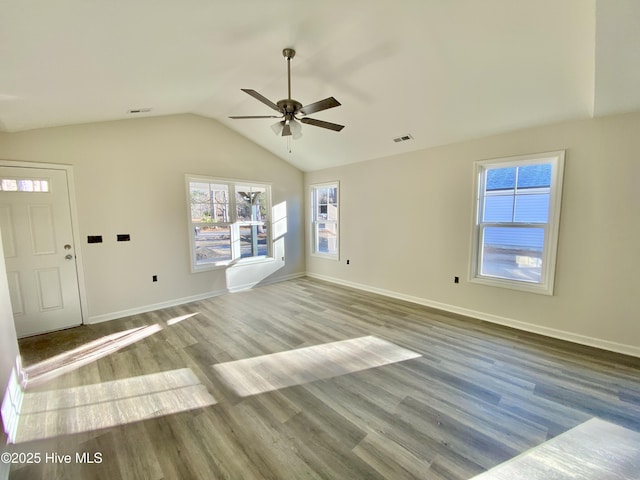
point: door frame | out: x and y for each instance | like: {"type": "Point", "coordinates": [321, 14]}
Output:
{"type": "Point", "coordinates": [68, 169]}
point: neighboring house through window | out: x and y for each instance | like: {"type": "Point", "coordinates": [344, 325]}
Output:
{"type": "Point", "coordinates": [324, 220]}
{"type": "Point", "coordinates": [229, 221]}
{"type": "Point", "coordinates": [517, 220]}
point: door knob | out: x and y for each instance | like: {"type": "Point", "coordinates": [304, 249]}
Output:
{"type": "Point", "coordinates": [67, 247]}
{"type": "Point", "coordinates": [69, 257]}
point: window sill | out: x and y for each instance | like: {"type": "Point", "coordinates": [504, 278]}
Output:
{"type": "Point", "coordinates": [537, 288]}
{"type": "Point", "coordinates": [326, 256]}
{"type": "Point", "coordinates": [232, 263]}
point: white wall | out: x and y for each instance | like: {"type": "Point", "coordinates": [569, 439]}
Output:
{"type": "Point", "coordinates": [8, 343]}
{"type": "Point", "coordinates": [10, 392]}
{"type": "Point", "coordinates": [406, 228]}
{"type": "Point", "coordinates": [129, 178]}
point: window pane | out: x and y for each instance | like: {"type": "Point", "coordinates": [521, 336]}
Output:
{"type": "Point", "coordinates": [532, 208]}
{"type": "Point", "coordinates": [209, 202]}
{"type": "Point", "coordinates": [321, 204]}
{"type": "Point", "coordinates": [322, 212]}
{"type": "Point", "coordinates": [251, 203]}
{"type": "Point", "coordinates": [253, 241]}
{"type": "Point", "coordinates": [213, 244]}
{"type": "Point", "coordinates": [326, 238]}
{"type": "Point", "coordinates": [332, 195]}
{"type": "Point", "coordinates": [514, 253]}
{"type": "Point", "coordinates": [500, 179]}
{"type": "Point", "coordinates": [498, 208]}
{"type": "Point", "coordinates": [332, 212]}
{"type": "Point", "coordinates": [9, 185]}
{"type": "Point", "coordinates": [323, 195]}
{"type": "Point", "coordinates": [534, 176]}
{"type": "Point", "coordinates": [326, 203]}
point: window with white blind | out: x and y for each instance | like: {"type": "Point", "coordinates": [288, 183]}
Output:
{"type": "Point", "coordinates": [516, 222]}
{"type": "Point", "coordinates": [229, 221]}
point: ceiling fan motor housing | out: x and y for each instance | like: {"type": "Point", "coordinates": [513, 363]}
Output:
{"type": "Point", "coordinates": [289, 107]}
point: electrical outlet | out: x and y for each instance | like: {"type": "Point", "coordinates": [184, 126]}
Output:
{"type": "Point", "coordinates": [347, 262]}
{"type": "Point", "coordinates": [154, 278]}
{"type": "Point", "coordinates": [456, 279]}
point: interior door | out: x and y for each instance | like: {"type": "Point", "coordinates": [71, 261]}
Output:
{"type": "Point", "coordinates": [35, 221]}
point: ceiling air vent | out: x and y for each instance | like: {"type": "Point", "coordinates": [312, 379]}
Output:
{"type": "Point", "coordinates": [403, 138]}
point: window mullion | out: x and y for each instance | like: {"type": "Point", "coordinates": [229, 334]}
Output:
{"type": "Point", "coordinates": [234, 229]}
{"type": "Point", "coordinates": [232, 203]}
{"type": "Point", "coordinates": [513, 224]}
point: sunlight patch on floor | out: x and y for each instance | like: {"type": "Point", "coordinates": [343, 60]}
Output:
{"type": "Point", "coordinates": [179, 319]}
{"type": "Point", "coordinates": [266, 373]}
{"type": "Point", "coordinates": [85, 408]}
{"type": "Point", "coordinates": [71, 360]}
{"type": "Point", "coordinates": [595, 449]}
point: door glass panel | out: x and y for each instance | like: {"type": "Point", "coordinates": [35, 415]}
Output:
{"type": "Point", "coordinates": [24, 185]}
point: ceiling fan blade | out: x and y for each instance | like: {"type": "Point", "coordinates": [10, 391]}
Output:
{"type": "Point", "coordinates": [319, 106]}
{"type": "Point", "coordinates": [286, 131]}
{"type": "Point", "coordinates": [322, 124]}
{"type": "Point", "coordinates": [262, 98]}
{"type": "Point", "coordinates": [238, 117]}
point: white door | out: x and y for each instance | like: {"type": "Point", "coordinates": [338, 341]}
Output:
{"type": "Point", "coordinates": [35, 221]}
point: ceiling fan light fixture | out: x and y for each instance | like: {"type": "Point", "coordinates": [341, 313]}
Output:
{"type": "Point", "coordinates": [296, 129]}
{"type": "Point", "coordinates": [277, 127]}
{"type": "Point", "coordinates": [295, 125]}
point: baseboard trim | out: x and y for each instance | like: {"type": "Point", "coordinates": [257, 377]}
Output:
{"type": "Point", "coordinates": [488, 317]}
{"type": "Point", "coordinates": [155, 306]}
{"type": "Point", "coordinates": [181, 301]}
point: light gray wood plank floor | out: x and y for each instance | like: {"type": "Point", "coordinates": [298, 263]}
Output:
{"type": "Point", "coordinates": [593, 450]}
{"type": "Point", "coordinates": [305, 379]}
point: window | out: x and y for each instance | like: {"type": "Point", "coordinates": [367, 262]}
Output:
{"type": "Point", "coordinates": [324, 220]}
{"type": "Point", "coordinates": [516, 224]}
{"type": "Point", "coordinates": [24, 185]}
{"type": "Point", "coordinates": [229, 221]}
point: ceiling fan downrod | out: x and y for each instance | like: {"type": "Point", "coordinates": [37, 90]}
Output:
{"type": "Point", "coordinates": [289, 53]}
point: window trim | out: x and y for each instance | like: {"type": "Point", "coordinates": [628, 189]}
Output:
{"type": "Point", "coordinates": [233, 224]}
{"type": "Point", "coordinates": [551, 227]}
{"type": "Point", "coordinates": [314, 222]}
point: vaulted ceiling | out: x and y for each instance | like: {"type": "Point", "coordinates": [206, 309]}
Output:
{"type": "Point", "coordinates": [440, 70]}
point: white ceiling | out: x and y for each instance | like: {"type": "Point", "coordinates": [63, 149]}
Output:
{"type": "Point", "coordinates": [441, 70]}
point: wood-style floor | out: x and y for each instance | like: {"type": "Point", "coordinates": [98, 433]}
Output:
{"type": "Point", "coordinates": [360, 387]}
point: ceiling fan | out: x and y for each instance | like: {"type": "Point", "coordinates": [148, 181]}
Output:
{"type": "Point", "coordinates": [291, 111]}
